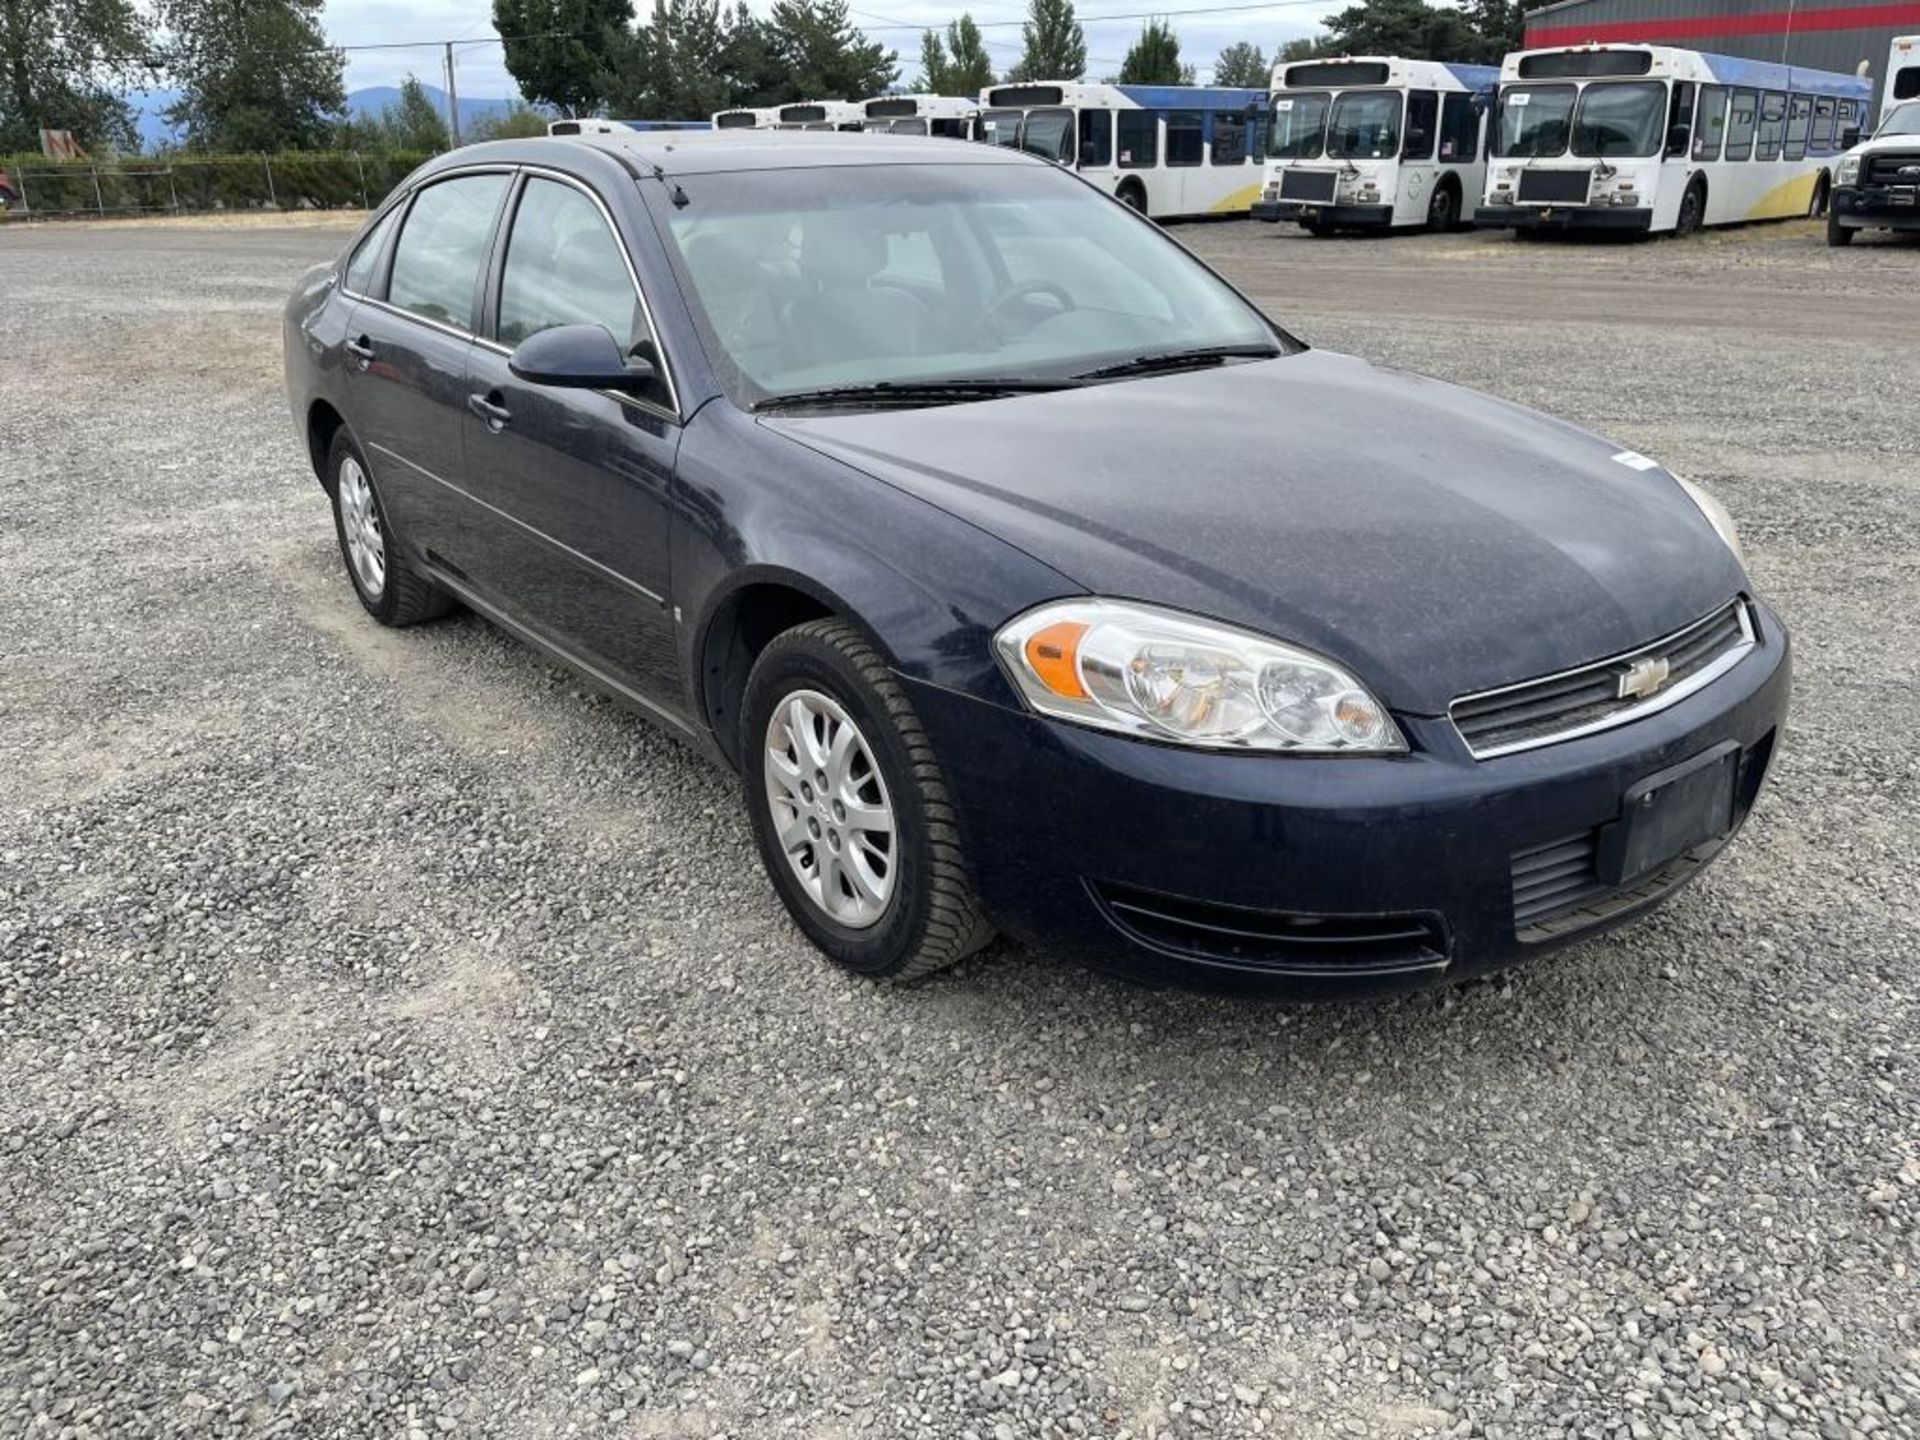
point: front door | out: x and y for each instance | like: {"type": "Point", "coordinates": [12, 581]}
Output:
{"type": "Point", "coordinates": [573, 483]}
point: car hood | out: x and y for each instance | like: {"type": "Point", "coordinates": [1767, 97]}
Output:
{"type": "Point", "coordinates": [1435, 540]}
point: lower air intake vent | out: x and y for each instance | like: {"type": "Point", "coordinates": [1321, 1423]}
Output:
{"type": "Point", "coordinates": [1306, 185]}
{"type": "Point", "coordinates": [1557, 888]}
{"type": "Point", "coordinates": [1273, 941]}
{"type": "Point", "coordinates": [1555, 187]}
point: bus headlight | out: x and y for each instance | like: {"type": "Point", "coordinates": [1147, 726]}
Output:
{"type": "Point", "coordinates": [1159, 675]}
{"type": "Point", "coordinates": [1849, 170]}
{"type": "Point", "coordinates": [1716, 514]}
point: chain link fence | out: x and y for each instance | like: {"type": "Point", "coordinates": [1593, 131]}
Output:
{"type": "Point", "coordinates": [146, 185]}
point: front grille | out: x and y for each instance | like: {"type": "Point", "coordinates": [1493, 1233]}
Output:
{"type": "Point", "coordinates": [1593, 697]}
{"type": "Point", "coordinates": [1306, 185]}
{"type": "Point", "coordinates": [1885, 169]}
{"type": "Point", "coordinates": [1274, 941]}
{"type": "Point", "coordinates": [1555, 187]}
{"type": "Point", "coordinates": [1557, 889]}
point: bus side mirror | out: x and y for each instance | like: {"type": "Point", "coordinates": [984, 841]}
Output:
{"type": "Point", "coordinates": [1849, 137]}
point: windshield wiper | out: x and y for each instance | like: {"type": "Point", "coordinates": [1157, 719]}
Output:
{"type": "Point", "coordinates": [1182, 360]}
{"type": "Point", "coordinates": [913, 392]}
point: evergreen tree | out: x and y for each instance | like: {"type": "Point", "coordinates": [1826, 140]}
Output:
{"type": "Point", "coordinates": [1155, 58]}
{"type": "Point", "coordinates": [253, 74]}
{"type": "Point", "coordinates": [1305, 47]}
{"type": "Point", "coordinates": [559, 50]}
{"type": "Point", "coordinates": [960, 66]}
{"type": "Point", "coordinates": [1411, 28]}
{"type": "Point", "coordinates": [413, 123]}
{"type": "Point", "coordinates": [61, 62]}
{"type": "Point", "coordinates": [825, 57]}
{"type": "Point", "coordinates": [935, 73]}
{"type": "Point", "coordinates": [1501, 26]}
{"type": "Point", "coordinates": [1055, 47]}
{"type": "Point", "coordinates": [516, 122]}
{"type": "Point", "coordinates": [750, 62]}
{"type": "Point", "coordinates": [671, 68]}
{"type": "Point", "coordinates": [1244, 65]}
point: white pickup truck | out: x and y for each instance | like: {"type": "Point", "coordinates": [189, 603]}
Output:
{"type": "Point", "coordinates": [1876, 184]}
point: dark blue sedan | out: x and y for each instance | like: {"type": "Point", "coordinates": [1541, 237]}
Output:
{"type": "Point", "coordinates": [1032, 579]}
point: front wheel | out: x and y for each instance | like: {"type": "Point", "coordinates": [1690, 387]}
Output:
{"type": "Point", "coordinates": [1693, 212]}
{"type": "Point", "coordinates": [850, 810]}
{"type": "Point", "coordinates": [1838, 235]}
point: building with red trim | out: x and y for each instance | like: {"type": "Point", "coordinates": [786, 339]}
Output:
{"type": "Point", "coordinates": [1821, 35]}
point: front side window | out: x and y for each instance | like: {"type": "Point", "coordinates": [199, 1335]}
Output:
{"type": "Point", "coordinates": [1773, 126]}
{"type": "Point", "coordinates": [1459, 129]}
{"type": "Point", "coordinates": [1901, 120]}
{"type": "Point", "coordinates": [1906, 83]}
{"type": "Point", "coordinates": [1680, 120]}
{"type": "Point", "coordinates": [1185, 140]}
{"type": "Point", "coordinates": [1710, 124]}
{"type": "Point", "coordinates": [854, 275]}
{"type": "Point", "coordinates": [1534, 121]}
{"type": "Point", "coordinates": [1423, 123]}
{"type": "Point", "coordinates": [1799, 119]}
{"type": "Point", "coordinates": [1620, 119]}
{"type": "Point", "coordinates": [442, 245]}
{"type": "Point", "coordinates": [1139, 142]}
{"type": "Point", "coordinates": [565, 267]}
{"type": "Point", "coordinates": [1364, 125]}
{"type": "Point", "coordinates": [364, 268]}
{"type": "Point", "coordinates": [1096, 138]}
{"type": "Point", "coordinates": [1741, 118]}
{"type": "Point", "coordinates": [1299, 127]}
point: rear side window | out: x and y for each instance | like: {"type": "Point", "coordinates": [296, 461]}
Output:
{"type": "Point", "coordinates": [364, 267]}
{"type": "Point", "coordinates": [1139, 138]}
{"type": "Point", "coordinates": [1823, 125]}
{"type": "Point", "coordinates": [1740, 122]}
{"type": "Point", "coordinates": [1184, 140]}
{"type": "Point", "coordinates": [1798, 119]}
{"type": "Point", "coordinates": [1773, 126]}
{"type": "Point", "coordinates": [565, 267]}
{"type": "Point", "coordinates": [442, 245]}
{"type": "Point", "coordinates": [1229, 138]}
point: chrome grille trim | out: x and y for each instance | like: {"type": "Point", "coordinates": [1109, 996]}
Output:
{"type": "Point", "coordinates": [1582, 688]}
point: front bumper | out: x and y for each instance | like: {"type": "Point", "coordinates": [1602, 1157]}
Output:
{"type": "Point", "coordinates": [1567, 219]}
{"type": "Point", "coordinates": [1881, 208]}
{"type": "Point", "coordinates": [1314, 212]}
{"type": "Point", "coordinates": [1068, 829]}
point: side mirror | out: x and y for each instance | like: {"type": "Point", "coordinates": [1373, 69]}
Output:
{"type": "Point", "coordinates": [1849, 137]}
{"type": "Point", "coordinates": [582, 357]}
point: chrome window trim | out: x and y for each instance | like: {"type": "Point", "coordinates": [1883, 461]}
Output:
{"type": "Point", "coordinates": [1652, 705]}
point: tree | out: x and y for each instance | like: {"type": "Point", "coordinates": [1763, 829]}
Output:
{"type": "Point", "coordinates": [558, 50]}
{"type": "Point", "coordinates": [253, 74]}
{"type": "Point", "coordinates": [750, 62]}
{"type": "Point", "coordinates": [1054, 45]}
{"type": "Point", "coordinates": [1501, 25]}
{"type": "Point", "coordinates": [671, 68]}
{"type": "Point", "coordinates": [516, 122]}
{"type": "Point", "coordinates": [413, 123]}
{"type": "Point", "coordinates": [1305, 47]}
{"type": "Point", "coordinates": [1155, 58]}
{"type": "Point", "coordinates": [825, 57]}
{"type": "Point", "coordinates": [1243, 65]}
{"type": "Point", "coordinates": [967, 72]}
{"type": "Point", "coordinates": [1411, 28]}
{"type": "Point", "coordinates": [60, 64]}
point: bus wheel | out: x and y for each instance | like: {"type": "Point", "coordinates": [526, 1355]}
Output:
{"type": "Point", "coordinates": [1443, 209]}
{"type": "Point", "coordinates": [1693, 210]}
{"type": "Point", "coordinates": [1134, 198]}
{"type": "Point", "coordinates": [1819, 205]}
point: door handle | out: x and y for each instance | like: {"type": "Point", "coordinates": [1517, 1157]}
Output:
{"type": "Point", "coordinates": [494, 414]}
{"type": "Point", "coordinates": [362, 350]}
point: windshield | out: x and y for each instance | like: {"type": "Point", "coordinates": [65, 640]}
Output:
{"type": "Point", "coordinates": [1299, 126]}
{"type": "Point", "coordinates": [1365, 124]}
{"type": "Point", "coordinates": [1533, 120]}
{"type": "Point", "coordinates": [1901, 120]}
{"type": "Point", "coordinates": [911, 274]}
{"type": "Point", "coordinates": [1620, 119]}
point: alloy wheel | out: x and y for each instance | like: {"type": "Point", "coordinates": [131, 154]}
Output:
{"type": "Point", "coordinates": [831, 812]}
{"type": "Point", "coordinates": [360, 523]}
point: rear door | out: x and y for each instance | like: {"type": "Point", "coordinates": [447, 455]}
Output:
{"type": "Point", "coordinates": [407, 346]}
{"type": "Point", "coordinates": [573, 484]}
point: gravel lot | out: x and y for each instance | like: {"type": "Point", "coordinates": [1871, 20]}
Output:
{"type": "Point", "coordinates": [398, 1040]}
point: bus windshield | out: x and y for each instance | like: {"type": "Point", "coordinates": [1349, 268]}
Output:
{"type": "Point", "coordinates": [1365, 124]}
{"type": "Point", "coordinates": [1620, 119]}
{"type": "Point", "coordinates": [1533, 120]}
{"type": "Point", "coordinates": [1901, 120]}
{"type": "Point", "coordinates": [1299, 127]}
{"type": "Point", "coordinates": [1047, 133]}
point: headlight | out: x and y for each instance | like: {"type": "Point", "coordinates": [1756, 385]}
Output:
{"type": "Point", "coordinates": [1152, 673]}
{"type": "Point", "coordinates": [1716, 514]}
{"type": "Point", "coordinates": [1849, 170]}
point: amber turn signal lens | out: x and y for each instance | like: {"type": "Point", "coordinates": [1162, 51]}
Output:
{"type": "Point", "coordinates": [1053, 654]}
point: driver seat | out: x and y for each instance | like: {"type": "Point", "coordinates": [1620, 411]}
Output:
{"type": "Point", "coordinates": [841, 315]}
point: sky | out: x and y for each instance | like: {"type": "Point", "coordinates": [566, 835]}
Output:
{"type": "Point", "coordinates": [896, 24]}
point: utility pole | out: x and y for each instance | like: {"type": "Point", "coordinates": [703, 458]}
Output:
{"type": "Point", "coordinates": [453, 98]}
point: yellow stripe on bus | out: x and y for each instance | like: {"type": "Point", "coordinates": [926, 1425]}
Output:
{"type": "Point", "coordinates": [1241, 199]}
{"type": "Point", "coordinates": [1790, 197]}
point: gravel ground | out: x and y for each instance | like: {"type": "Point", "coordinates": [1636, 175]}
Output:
{"type": "Point", "coordinates": [399, 1040]}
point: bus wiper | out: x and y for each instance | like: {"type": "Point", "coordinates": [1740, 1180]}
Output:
{"type": "Point", "coordinates": [1182, 360]}
{"type": "Point", "coordinates": [914, 392]}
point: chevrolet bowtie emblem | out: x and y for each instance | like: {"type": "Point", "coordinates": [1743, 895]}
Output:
{"type": "Point", "coordinates": [1644, 676]}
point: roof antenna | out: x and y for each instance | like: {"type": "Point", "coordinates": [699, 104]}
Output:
{"type": "Point", "coordinates": [675, 194]}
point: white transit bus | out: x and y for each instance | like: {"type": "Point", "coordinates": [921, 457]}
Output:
{"type": "Point", "coordinates": [1376, 142]}
{"type": "Point", "coordinates": [1903, 73]}
{"type": "Point", "coordinates": [810, 115]}
{"type": "Point", "coordinates": [746, 119]}
{"type": "Point", "coordinates": [613, 127]}
{"type": "Point", "coordinates": [920, 115]}
{"type": "Point", "coordinates": [1649, 139]}
{"type": "Point", "coordinates": [1166, 150]}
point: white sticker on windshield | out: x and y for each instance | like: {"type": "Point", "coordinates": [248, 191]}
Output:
{"type": "Point", "coordinates": [1521, 99]}
{"type": "Point", "coordinates": [1283, 104]}
{"type": "Point", "coordinates": [1634, 460]}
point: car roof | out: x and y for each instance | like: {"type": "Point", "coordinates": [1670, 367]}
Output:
{"type": "Point", "coordinates": [707, 152]}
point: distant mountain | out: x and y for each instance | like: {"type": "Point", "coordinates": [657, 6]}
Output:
{"type": "Point", "coordinates": [149, 107]}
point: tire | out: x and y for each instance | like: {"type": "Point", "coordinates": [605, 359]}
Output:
{"type": "Point", "coordinates": [1134, 198]}
{"type": "Point", "coordinates": [389, 588]}
{"type": "Point", "coordinates": [1443, 209]}
{"type": "Point", "coordinates": [928, 917]}
{"type": "Point", "coordinates": [1838, 236]}
{"type": "Point", "coordinates": [1693, 211]}
{"type": "Point", "coordinates": [1820, 196]}
{"type": "Point", "coordinates": [1315, 228]}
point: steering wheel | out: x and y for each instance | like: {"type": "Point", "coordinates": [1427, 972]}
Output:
{"type": "Point", "coordinates": [1022, 289]}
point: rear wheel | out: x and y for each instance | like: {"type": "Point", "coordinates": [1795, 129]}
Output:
{"type": "Point", "coordinates": [390, 589]}
{"type": "Point", "coordinates": [850, 810]}
{"type": "Point", "coordinates": [1693, 210]}
{"type": "Point", "coordinates": [1134, 198]}
{"type": "Point", "coordinates": [1443, 209]}
{"type": "Point", "coordinates": [1838, 235]}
